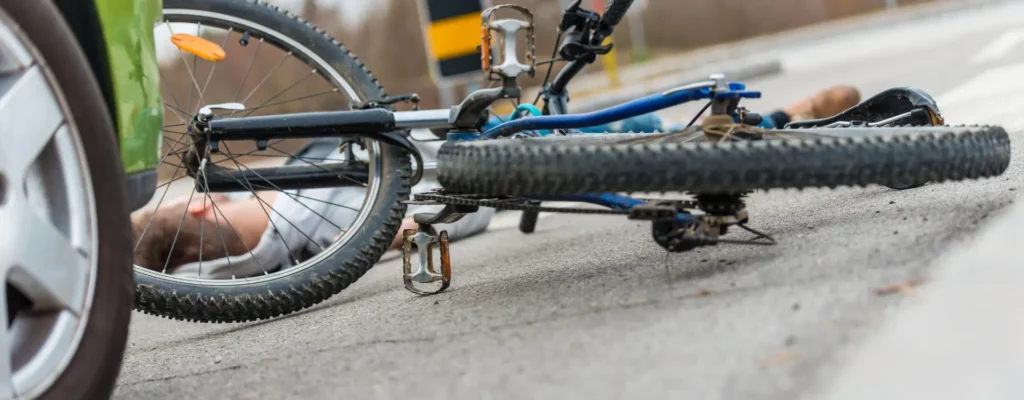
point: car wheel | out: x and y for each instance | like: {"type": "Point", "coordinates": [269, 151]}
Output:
{"type": "Point", "coordinates": [65, 250]}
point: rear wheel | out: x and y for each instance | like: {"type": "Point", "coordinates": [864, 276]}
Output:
{"type": "Point", "coordinates": [688, 161]}
{"type": "Point", "coordinates": [64, 246]}
{"type": "Point", "coordinates": [276, 63]}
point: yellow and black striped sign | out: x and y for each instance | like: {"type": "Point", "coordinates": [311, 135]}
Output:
{"type": "Point", "coordinates": [453, 34]}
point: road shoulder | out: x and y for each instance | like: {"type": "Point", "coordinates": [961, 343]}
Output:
{"type": "Point", "coordinates": [960, 337]}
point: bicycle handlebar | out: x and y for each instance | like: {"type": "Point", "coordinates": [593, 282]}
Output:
{"type": "Point", "coordinates": [614, 12]}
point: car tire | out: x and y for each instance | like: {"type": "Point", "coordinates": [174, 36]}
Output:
{"type": "Point", "coordinates": [93, 367]}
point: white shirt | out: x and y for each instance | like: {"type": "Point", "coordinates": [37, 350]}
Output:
{"type": "Point", "coordinates": [304, 222]}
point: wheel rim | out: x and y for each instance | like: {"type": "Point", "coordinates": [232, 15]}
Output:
{"type": "Point", "coordinates": [231, 28]}
{"type": "Point", "coordinates": [47, 223]}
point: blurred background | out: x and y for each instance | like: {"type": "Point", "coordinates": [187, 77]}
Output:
{"type": "Point", "coordinates": [388, 35]}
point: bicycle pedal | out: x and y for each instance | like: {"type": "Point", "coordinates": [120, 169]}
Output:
{"type": "Point", "coordinates": [425, 272]}
{"type": "Point", "coordinates": [505, 64]}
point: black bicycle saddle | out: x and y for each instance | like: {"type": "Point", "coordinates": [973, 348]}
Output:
{"type": "Point", "coordinates": [886, 105]}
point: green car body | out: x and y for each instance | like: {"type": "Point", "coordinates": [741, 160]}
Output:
{"type": "Point", "coordinates": [117, 38]}
{"type": "Point", "coordinates": [134, 77]}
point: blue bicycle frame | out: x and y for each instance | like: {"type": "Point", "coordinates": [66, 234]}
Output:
{"type": "Point", "coordinates": [383, 124]}
{"type": "Point", "coordinates": [638, 107]}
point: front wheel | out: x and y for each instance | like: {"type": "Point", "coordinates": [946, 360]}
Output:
{"type": "Point", "coordinates": [750, 159]}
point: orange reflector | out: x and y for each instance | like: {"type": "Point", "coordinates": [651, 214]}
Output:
{"type": "Point", "coordinates": [202, 48]}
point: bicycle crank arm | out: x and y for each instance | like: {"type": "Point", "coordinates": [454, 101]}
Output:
{"type": "Point", "coordinates": [219, 179]}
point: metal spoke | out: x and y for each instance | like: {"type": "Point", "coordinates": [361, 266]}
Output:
{"type": "Point", "coordinates": [287, 88]}
{"type": "Point", "coordinates": [322, 201]}
{"type": "Point", "coordinates": [182, 145]}
{"type": "Point", "coordinates": [317, 166]}
{"type": "Point", "coordinates": [177, 153]}
{"type": "Point", "coordinates": [170, 91]}
{"type": "Point", "coordinates": [190, 74]}
{"type": "Point", "coordinates": [262, 205]}
{"type": "Point", "coordinates": [335, 90]}
{"type": "Point", "coordinates": [198, 90]}
{"type": "Point", "coordinates": [247, 70]}
{"type": "Point", "coordinates": [182, 114]}
{"type": "Point", "coordinates": [216, 209]}
{"type": "Point", "coordinates": [214, 67]}
{"type": "Point", "coordinates": [278, 65]}
{"type": "Point", "coordinates": [177, 233]}
{"type": "Point", "coordinates": [253, 152]}
{"type": "Point", "coordinates": [157, 208]}
{"type": "Point", "coordinates": [202, 224]}
{"type": "Point", "coordinates": [168, 163]}
{"type": "Point", "coordinates": [281, 191]}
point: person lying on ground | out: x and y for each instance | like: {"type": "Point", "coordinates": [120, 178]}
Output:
{"type": "Point", "coordinates": [220, 236]}
{"type": "Point", "coordinates": [242, 234]}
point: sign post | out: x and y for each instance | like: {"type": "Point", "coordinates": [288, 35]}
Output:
{"type": "Point", "coordinates": [452, 35]}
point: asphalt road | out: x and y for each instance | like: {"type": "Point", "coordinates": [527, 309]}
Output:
{"type": "Point", "coordinates": [590, 307]}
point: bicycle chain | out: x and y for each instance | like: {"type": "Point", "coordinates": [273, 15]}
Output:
{"type": "Point", "coordinates": [504, 204]}
{"type": "Point", "coordinates": [432, 198]}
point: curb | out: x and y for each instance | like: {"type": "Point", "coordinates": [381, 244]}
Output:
{"type": "Point", "coordinates": [963, 338]}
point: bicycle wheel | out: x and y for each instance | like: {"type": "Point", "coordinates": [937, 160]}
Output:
{"type": "Point", "coordinates": [800, 158]}
{"type": "Point", "coordinates": [230, 278]}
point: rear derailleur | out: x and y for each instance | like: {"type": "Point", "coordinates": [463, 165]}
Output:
{"type": "Point", "coordinates": [676, 229]}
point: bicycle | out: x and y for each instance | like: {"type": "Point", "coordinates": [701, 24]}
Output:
{"type": "Point", "coordinates": [896, 138]}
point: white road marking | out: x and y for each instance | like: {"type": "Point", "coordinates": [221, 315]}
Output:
{"type": "Point", "coordinates": [994, 97]}
{"type": "Point", "coordinates": [895, 39]}
{"type": "Point", "coordinates": [999, 48]}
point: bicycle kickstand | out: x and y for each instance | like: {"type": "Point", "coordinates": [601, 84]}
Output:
{"type": "Point", "coordinates": [425, 238]}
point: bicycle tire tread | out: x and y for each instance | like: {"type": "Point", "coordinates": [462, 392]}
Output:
{"type": "Point", "coordinates": [564, 166]}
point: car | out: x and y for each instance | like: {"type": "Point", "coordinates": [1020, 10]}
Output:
{"type": "Point", "coordinates": [80, 130]}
